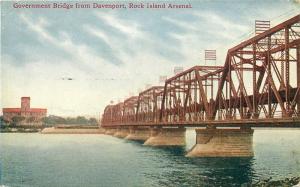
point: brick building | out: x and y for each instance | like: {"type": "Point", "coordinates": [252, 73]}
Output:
{"type": "Point", "coordinates": [28, 116]}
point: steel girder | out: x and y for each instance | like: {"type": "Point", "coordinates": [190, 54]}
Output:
{"type": "Point", "coordinates": [271, 58]}
{"type": "Point", "coordinates": [260, 79]}
{"type": "Point", "coordinates": [188, 95]}
{"type": "Point", "coordinates": [149, 105]}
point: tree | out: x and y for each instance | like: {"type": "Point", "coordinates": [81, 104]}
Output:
{"type": "Point", "coordinates": [30, 119]}
{"type": "Point", "coordinates": [70, 120]}
{"type": "Point", "coordinates": [17, 119]}
{"type": "Point", "coordinates": [51, 120]}
{"type": "Point", "coordinates": [81, 120]}
{"type": "Point", "coordinates": [2, 122]}
{"type": "Point", "coordinates": [93, 121]}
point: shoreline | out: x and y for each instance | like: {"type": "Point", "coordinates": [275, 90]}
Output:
{"type": "Point", "coordinates": [20, 131]}
{"type": "Point", "coordinates": [60, 130]}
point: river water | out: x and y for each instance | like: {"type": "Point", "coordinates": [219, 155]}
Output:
{"type": "Point", "coordinates": [101, 160]}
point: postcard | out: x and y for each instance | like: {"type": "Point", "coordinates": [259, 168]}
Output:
{"type": "Point", "coordinates": [150, 93]}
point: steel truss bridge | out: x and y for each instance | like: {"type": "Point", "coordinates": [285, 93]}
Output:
{"type": "Point", "coordinates": [258, 86]}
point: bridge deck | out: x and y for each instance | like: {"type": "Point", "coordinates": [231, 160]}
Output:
{"type": "Point", "coordinates": [265, 122]}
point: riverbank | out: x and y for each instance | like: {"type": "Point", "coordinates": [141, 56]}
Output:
{"type": "Point", "coordinates": [70, 130]}
{"type": "Point", "coordinates": [58, 129]}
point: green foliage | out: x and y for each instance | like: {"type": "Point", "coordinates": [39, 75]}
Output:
{"type": "Point", "coordinates": [2, 122]}
{"type": "Point", "coordinates": [80, 120]}
{"type": "Point", "coordinates": [71, 120]}
{"type": "Point", "coordinates": [51, 120]}
{"type": "Point", "coordinates": [17, 119]}
{"type": "Point", "coordinates": [93, 121]}
{"type": "Point", "coordinates": [30, 119]}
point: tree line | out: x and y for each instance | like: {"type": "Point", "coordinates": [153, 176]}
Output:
{"type": "Point", "coordinates": [51, 120]}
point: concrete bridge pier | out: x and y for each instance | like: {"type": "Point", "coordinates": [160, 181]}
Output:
{"type": "Point", "coordinates": [212, 142]}
{"type": "Point", "coordinates": [166, 137]}
{"type": "Point", "coordinates": [138, 134]}
{"type": "Point", "coordinates": [110, 131]}
{"type": "Point", "coordinates": [121, 132]}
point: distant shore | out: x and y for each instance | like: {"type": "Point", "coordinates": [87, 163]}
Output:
{"type": "Point", "coordinates": [20, 130]}
{"type": "Point", "coordinates": [59, 129]}
{"type": "Point", "coordinates": [72, 130]}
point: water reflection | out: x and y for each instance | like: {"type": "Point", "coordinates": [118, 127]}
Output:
{"type": "Point", "coordinates": [138, 143]}
{"type": "Point", "coordinates": [178, 170]}
{"type": "Point", "coordinates": [174, 169]}
{"type": "Point", "coordinates": [177, 150]}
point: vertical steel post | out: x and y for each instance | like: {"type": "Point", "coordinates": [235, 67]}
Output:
{"type": "Point", "coordinates": [184, 97]}
{"type": "Point", "coordinates": [154, 95]}
{"type": "Point", "coordinates": [241, 90]}
{"type": "Point", "coordinates": [287, 70]}
{"type": "Point", "coordinates": [162, 107]}
{"type": "Point", "coordinates": [219, 108]}
{"type": "Point", "coordinates": [282, 69]}
{"type": "Point", "coordinates": [230, 87]}
{"type": "Point", "coordinates": [298, 78]}
{"type": "Point", "coordinates": [212, 89]}
{"type": "Point", "coordinates": [269, 77]}
{"type": "Point", "coordinates": [206, 87]}
{"type": "Point", "coordinates": [254, 83]}
{"type": "Point", "coordinates": [195, 100]}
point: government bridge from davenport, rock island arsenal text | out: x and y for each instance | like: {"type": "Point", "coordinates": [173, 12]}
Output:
{"type": "Point", "coordinates": [258, 86]}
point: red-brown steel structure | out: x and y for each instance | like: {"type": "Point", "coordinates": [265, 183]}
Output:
{"type": "Point", "coordinates": [220, 95]}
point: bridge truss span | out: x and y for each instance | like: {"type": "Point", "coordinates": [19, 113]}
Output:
{"type": "Point", "coordinates": [269, 62]}
{"type": "Point", "coordinates": [258, 85]}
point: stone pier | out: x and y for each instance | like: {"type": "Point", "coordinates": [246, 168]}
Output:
{"type": "Point", "coordinates": [166, 137]}
{"type": "Point", "coordinates": [121, 133]}
{"type": "Point", "coordinates": [110, 131]}
{"type": "Point", "coordinates": [138, 134]}
{"type": "Point", "coordinates": [223, 143]}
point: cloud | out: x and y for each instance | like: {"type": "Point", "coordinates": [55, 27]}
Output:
{"type": "Point", "coordinates": [80, 53]}
{"type": "Point", "coordinates": [219, 21]}
{"type": "Point", "coordinates": [185, 25]}
{"type": "Point", "coordinates": [210, 24]}
{"type": "Point", "coordinates": [131, 29]}
{"type": "Point", "coordinates": [95, 80]}
{"type": "Point", "coordinates": [208, 31]}
{"type": "Point", "coordinates": [141, 61]}
{"type": "Point", "coordinates": [98, 33]}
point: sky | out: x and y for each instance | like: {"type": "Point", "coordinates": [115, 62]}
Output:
{"type": "Point", "coordinates": [77, 61]}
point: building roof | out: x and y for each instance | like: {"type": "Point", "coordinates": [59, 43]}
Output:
{"type": "Point", "coordinates": [17, 110]}
{"type": "Point", "coordinates": [14, 110]}
{"type": "Point", "coordinates": [11, 110]}
{"type": "Point", "coordinates": [37, 110]}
